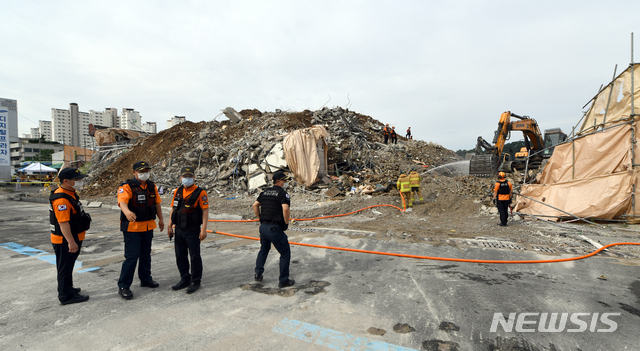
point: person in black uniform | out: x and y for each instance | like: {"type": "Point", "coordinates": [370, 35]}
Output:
{"type": "Point", "coordinates": [69, 224]}
{"type": "Point", "coordinates": [272, 210]}
{"type": "Point", "coordinates": [394, 136]}
{"type": "Point", "coordinates": [190, 214]}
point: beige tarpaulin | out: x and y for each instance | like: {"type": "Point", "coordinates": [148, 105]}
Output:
{"type": "Point", "coordinates": [301, 153]}
{"type": "Point", "coordinates": [615, 98]}
{"type": "Point", "coordinates": [592, 176]}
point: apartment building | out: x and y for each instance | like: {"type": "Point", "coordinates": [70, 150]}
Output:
{"type": "Point", "coordinates": [45, 129]}
{"type": "Point", "coordinates": [175, 120]}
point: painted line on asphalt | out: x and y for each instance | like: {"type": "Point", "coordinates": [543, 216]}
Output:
{"type": "Point", "coordinates": [42, 255]}
{"type": "Point", "coordinates": [331, 338]}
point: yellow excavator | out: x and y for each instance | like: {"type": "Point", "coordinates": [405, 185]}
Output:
{"type": "Point", "coordinates": [489, 158]}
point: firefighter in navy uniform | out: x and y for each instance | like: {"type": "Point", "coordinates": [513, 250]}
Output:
{"type": "Point", "coordinates": [272, 210]}
{"type": "Point", "coordinates": [502, 194]}
{"type": "Point", "coordinates": [190, 214]}
{"type": "Point", "coordinates": [69, 224]}
{"type": "Point", "coordinates": [139, 203]}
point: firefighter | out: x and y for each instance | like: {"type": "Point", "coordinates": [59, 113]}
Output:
{"type": "Point", "coordinates": [408, 136]}
{"type": "Point", "coordinates": [502, 194]}
{"type": "Point", "coordinates": [272, 210]}
{"type": "Point", "coordinates": [414, 177]}
{"type": "Point", "coordinates": [394, 136]}
{"type": "Point", "coordinates": [190, 214]}
{"type": "Point", "coordinates": [385, 133]}
{"type": "Point", "coordinates": [69, 224]}
{"type": "Point", "coordinates": [139, 203]}
{"type": "Point", "coordinates": [404, 186]}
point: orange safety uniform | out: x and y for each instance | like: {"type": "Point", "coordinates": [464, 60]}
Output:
{"type": "Point", "coordinates": [125, 194]}
{"type": "Point", "coordinates": [503, 189]}
{"type": "Point", "coordinates": [404, 185]}
{"type": "Point", "coordinates": [189, 209]}
{"type": "Point", "coordinates": [63, 210]}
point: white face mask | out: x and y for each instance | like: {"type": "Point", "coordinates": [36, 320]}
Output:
{"type": "Point", "coordinates": [187, 181]}
{"type": "Point", "coordinates": [78, 184]}
{"type": "Point", "coordinates": [144, 176]}
{"type": "Point", "coordinates": [285, 185]}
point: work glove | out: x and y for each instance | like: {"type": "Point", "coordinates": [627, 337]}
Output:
{"type": "Point", "coordinates": [285, 227]}
{"type": "Point", "coordinates": [495, 202]}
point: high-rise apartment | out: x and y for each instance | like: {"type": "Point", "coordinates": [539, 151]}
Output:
{"type": "Point", "coordinates": [45, 129]}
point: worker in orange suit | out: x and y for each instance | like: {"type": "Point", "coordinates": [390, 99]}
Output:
{"type": "Point", "coordinates": [385, 133]}
{"type": "Point", "coordinates": [404, 185]}
{"type": "Point", "coordinates": [502, 194]}
{"type": "Point", "coordinates": [139, 203]}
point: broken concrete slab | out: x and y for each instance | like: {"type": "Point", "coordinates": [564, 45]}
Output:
{"type": "Point", "coordinates": [95, 204]}
{"type": "Point", "coordinates": [332, 192]}
{"type": "Point", "coordinates": [232, 115]}
{"type": "Point", "coordinates": [257, 180]}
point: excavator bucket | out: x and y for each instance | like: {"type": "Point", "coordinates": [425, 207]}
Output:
{"type": "Point", "coordinates": [483, 165]}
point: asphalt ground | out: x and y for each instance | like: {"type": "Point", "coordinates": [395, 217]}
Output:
{"type": "Point", "coordinates": [341, 300]}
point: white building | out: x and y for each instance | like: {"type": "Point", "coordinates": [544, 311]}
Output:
{"type": "Point", "coordinates": [35, 133]}
{"type": "Point", "coordinates": [130, 119]}
{"type": "Point", "coordinates": [45, 129]}
{"type": "Point", "coordinates": [71, 127]}
{"type": "Point", "coordinates": [175, 121]}
{"type": "Point", "coordinates": [101, 118]}
{"type": "Point", "coordinates": [150, 127]}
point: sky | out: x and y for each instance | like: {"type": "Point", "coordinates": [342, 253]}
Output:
{"type": "Point", "coordinates": [447, 69]}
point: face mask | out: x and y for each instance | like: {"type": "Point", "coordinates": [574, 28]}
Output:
{"type": "Point", "coordinates": [285, 185]}
{"type": "Point", "coordinates": [187, 182]}
{"type": "Point", "coordinates": [143, 176]}
{"type": "Point", "coordinates": [78, 184]}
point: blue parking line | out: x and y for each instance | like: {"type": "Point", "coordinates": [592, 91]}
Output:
{"type": "Point", "coordinates": [331, 338]}
{"type": "Point", "coordinates": [42, 255]}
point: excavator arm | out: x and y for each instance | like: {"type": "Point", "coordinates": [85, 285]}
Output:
{"type": "Point", "coordinates": [485, 164]}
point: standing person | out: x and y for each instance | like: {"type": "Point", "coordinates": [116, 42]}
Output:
{"type": "Point", "coordinates": [272, 210]}
{"type": "Point", "coordinates": [394, 136]}
{"type": "Point", "coordinates": [414, 178]}
{"type": "Point", "coordinates": [69, 224]}
{"type": "Point", "coordinates": [139, 203]}
{"type": "Point", "coordinates": [404, 186]}
{"type": "Point", "coordinates": [502, 193]}
{"type": "Point", "coordinates": [385, 133]}
{"type": "Point", "coordinates": [408, 136]}
{"type": "Point", "coordinates": [190, 214]}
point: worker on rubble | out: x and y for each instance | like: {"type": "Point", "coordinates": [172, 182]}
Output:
{"type": "Point", "coordinates": [272, 210]}
{"type": "Point", "coordinates": [414, 178]}
{"type": "Point", "coordinates": [502, 195]}
{"type": "Point", "coordinates": [190, 214]}
{"type": "Point", "coordinates": [385, 133]}
{"type": "Point", "coordinates": [139, 203]}
{"type": "Point", "coordinates": [394, 136]}
{"type": "Point", "coordinates": [404, 186]}
{"type": "Point", "coordinates": [69, 224]}
{"type": "Point", "coordinates": [408, 136]}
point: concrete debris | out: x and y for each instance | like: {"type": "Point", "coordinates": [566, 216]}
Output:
{"type": "Point", "coordinates": [236, 157]}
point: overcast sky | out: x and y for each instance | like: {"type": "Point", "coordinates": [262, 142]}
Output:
{"type": "Point", "coordinates": [448, 69]}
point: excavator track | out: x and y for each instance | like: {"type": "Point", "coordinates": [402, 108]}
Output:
{"type": "Point", "coordinates": [483, 165]}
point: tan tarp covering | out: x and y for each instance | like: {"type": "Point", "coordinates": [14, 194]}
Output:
{"type": "Point", "coordinates": [618, 94]}
{"type": "Point", "coordinates": [301, 153]}
{"type": "Point", "coordinates": [113, 135]}
{"type": "Point", "coordinates": [599, 184]}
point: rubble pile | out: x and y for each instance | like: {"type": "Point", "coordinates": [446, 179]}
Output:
{"type": "Point", "coordinates": [235, 156]}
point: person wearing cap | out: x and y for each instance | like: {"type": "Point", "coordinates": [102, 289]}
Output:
{"type": "Point", "coordinates": [272, 210]}
{"type": "Point", "coordinates": [190, 215]}
{"type": "Point", "coordinates": [139, 203]}
{"type": "Point", "coordinates": [502, 193]}
{"type": "Point", "coordinates": [69, 224]}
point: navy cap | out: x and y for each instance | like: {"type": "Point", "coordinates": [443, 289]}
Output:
{"type": "Point", "coordinates": [280, 175]}
{"type": "Point", "coordinates": [70, 173]}
{"type": "Point", "coordinates": [140, 165]}
{"type": "Point", "coordinates": [187, 171]}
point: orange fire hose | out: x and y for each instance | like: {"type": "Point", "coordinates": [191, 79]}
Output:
{"type": "Point", "coordinates": [432, 257]}
{"type": "Point", "coordinates": [406, 255]}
